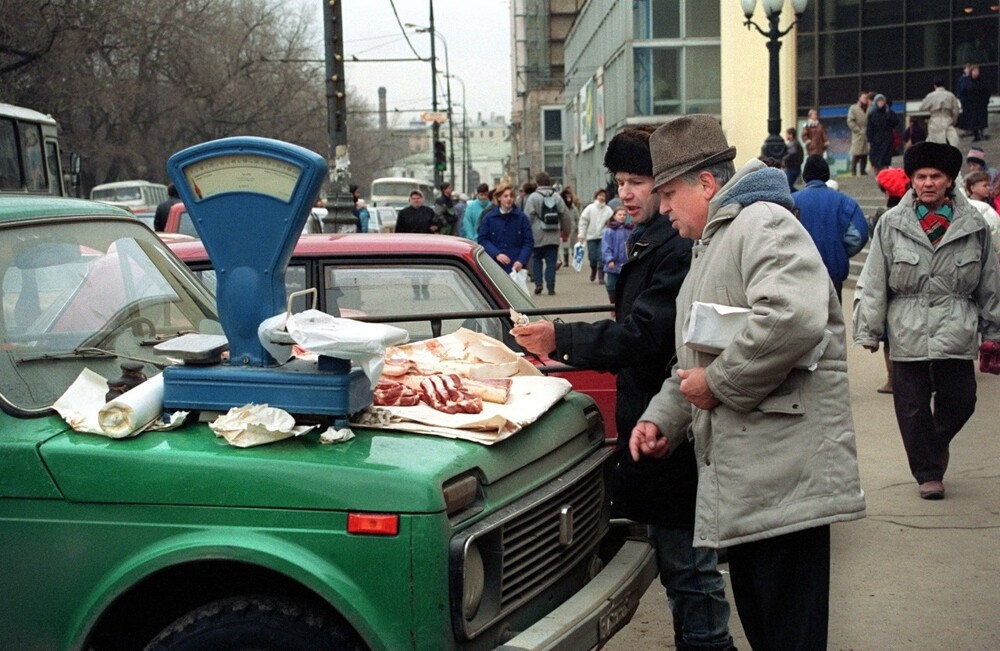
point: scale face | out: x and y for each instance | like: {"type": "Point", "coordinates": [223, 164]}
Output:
{"type": "Point", "coordinates": [248, 199]}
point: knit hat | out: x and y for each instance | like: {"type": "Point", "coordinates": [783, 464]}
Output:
{"type": "Point", "coordinates": [688, 143]}
{"type": "Point", "coordinates": [940, 156]}
{"type": "Point", "coordinates": [894, 181]}
{"type": "Point", "coordinates": [815, 169]}
{"type": "Point", "coordinates": [976, 155]}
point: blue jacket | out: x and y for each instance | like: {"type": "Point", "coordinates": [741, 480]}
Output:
{"type": "Point", "coordinates": [836, 223]}
{"type": "Point", "coordinates": [613, 245]}
{"type": "Point", "coordinates": [506, 233]}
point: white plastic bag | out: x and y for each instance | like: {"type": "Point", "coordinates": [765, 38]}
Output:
{"type": "Point", "coordinates": [578, 256]}
{"type": "Point", "coordinates": [520, 277]}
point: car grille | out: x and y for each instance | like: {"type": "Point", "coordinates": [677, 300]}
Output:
{"type": "Point", "coordinates": [533, 556]}
{"type": "Point", "coordinates": [531, 544]}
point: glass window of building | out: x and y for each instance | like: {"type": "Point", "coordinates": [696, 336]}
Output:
{"type": "Point", "coordinates": [682, 35]}
{"type": "Point", "coordinates": [552, 146]}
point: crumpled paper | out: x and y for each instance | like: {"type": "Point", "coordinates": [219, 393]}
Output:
{"type": "Point", "coordinates": [323, 334]}
{"type": "Point", "coordinates": [712, 327]}
{"type": "Point", "coordinates": [83, 407]}
{"type": "Point", "coordinates": [251, 425]}
{"type": "Point", "coordinates": [332, 435]}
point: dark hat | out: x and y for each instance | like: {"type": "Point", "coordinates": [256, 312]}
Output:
{"type": "Point", "coordinates": [691, 142]}
{"type": "Point", "coordinates": [816, 168]}
{"type": "Point", "coordinates": [940, 156]}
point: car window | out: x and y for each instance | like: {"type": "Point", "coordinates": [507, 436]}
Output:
{"type": "Point", "coordinates": [81, 296]}
{"type": "Point", "coordinates": [412, 290]}
{"type": "Point", "coordinates": [186, 225]}
{"type": "Point", "coordinates": [295, 280]}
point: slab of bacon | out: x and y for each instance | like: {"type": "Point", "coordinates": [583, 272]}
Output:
{"type": "Point", "coordinates": [397, 366]}
{"type": "Point", "coordinates": [444, 392]}
{"type": "Point", "coordinates": [490, 390]}
{"type": "Point", "coordinates": [390, 393]}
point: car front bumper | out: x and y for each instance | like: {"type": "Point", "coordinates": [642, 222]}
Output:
{"type": "Point", "coordinates": [604, 606]}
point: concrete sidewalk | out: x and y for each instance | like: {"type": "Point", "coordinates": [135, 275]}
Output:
{"type": "Point", "coordinates": [914, 574]}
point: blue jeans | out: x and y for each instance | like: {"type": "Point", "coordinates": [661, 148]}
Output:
{"type": "Point", "coordinates": [549, 253]}
{"type": "Point", "coordinates": [696, 591]}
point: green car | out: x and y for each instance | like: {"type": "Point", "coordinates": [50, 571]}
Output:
{"type": "Point", "coordinates": [177, 540]}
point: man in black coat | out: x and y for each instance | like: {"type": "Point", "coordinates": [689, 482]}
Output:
{"type": "Point", "coordinates": [639, 345]}
{"type": "Point", "coordinates": [416, 218]}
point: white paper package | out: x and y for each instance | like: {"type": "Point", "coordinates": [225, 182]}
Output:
{"type": "Point", "coordinates": [712, 327]}
{"type": "Point", "coordinates": [133, 410]}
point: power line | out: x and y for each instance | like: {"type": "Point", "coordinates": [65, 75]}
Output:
{"type": "Point", "coordinates": [403, 29]}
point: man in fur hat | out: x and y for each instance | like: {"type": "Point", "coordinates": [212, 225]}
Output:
{"type": "Point", "coordinates": [774, 442]}
{"type": "Point", "coordinates": [932, 277]}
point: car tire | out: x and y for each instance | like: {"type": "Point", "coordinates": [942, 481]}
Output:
{"type": "Point", "coordinates": [256, 622]}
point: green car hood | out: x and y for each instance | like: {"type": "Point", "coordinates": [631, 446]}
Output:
{"type": "Point", "coordinates": [376, 471]}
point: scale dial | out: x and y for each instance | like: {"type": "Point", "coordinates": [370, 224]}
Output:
{"type": "Point", "coordinates": [254, 173]}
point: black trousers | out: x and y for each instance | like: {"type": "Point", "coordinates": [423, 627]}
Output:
{"type": "Point", "coordinates": [781, 587]}
{"type": "Point", "coordinates": [948, 384]}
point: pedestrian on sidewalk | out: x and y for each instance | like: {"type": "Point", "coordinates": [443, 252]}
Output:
{"type": "Point", "coordinates": [638, 345]}
{"type": "Point", "coordinates": [857, 122]}
{"type": "Point", "coordinates": [550, 220]}
{"type": "Point", "coordinates": [777, 460]}
{"type": "Point", "coordinates": [944, 108]}
{"type": "Point", "coordinates": [974, 94]}
{"type": "Point", "coordinates": [792, 162]}
{"type": "Point", "coordinates": [882, 123]}
{"type": "Point", "coordinates": [590, 230]}
{"type": "Point", "coordinates": [932, 280]}
{"type": "Point", "coordinates": [613, 248]}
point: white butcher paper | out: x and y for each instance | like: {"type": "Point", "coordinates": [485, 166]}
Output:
{"type": "Point", "coordinates": [254, 424]}
{"type": "Point", "coordinates": [530, 397]}
{"type": "Point", "coordinates": [134, 410]}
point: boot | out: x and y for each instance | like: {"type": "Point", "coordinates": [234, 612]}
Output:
{"type": "Point", "coordinates": [887, 387]}
{"type": "Point", "coordinates": [600, 276]}
{"type": "Point", "coordinates": [593, 273]}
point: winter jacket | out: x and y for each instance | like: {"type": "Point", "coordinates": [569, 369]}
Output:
{"type": "Point", "coordinates": [815, 139]}
{"type": "Point", "coordinates": [992, 220]}
{"type": "Point", "coordinates": [415, 220]}
{"type": "Point", "coordinates": [936, 300]}
{"type": "Point", "coordinates": [857, 121]}
{"type": "Point", "coordinates": [593, 220]}
{"type": "Point", "coordinates": [613, 245]}
{"type": "Point", "coordinates": [944, 110]}
{"type": "Point", "coordinates": [881, 123]}
{"type": "Point", "coordinates": [534, 207]}
{"type": "Point", "coordinates": [639, 345]}
{"type": "Point", "coordinates": [975, 98]}
{"type": "Point", "coordinates": [473, 214]}
{"type": "Point", "coordinates": [778, 454]}
{"type": "Point", "coordinates": [447, 218]}
{"type": "Point", "coordinates": [793, 155]}
{"type": "Point", "coordinates": [836, 224]}
{"type": "Point", "coordinates": [508, 233]}
{"type": "Point", "coordinates": [363, 219]}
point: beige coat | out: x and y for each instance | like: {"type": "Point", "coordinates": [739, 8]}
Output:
{"type": "Point", "coordinates": [857, 120]}
{"type": "Point", "coordinates": [944, 109]}
{"type": "Point", "coordinates": [778, 455]}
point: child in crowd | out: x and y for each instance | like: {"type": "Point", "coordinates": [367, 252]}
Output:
{"type": "Point", "coordinates": [613, 249]}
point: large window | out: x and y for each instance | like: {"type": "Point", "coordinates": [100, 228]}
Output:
{"type": "Point", "coordinates": [676, 60]}
{"type": "Point", "coordinates": [552, 145]}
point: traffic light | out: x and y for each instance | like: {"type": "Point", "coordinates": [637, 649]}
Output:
{"type": "Point", "coordinates": [440, 156]}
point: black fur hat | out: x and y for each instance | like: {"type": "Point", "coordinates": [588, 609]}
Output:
{"type": "Point", "coordinates": [816, 169]}
{"type": "Point", "coordinates": [940, 156]}
{"type": "Point", "coordinates": [628, 151]}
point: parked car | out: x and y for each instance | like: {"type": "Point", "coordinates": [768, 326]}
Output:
{"type": "Point", "coordinates": [177, 540]}
{"type": "Point", "coordinates": [379, 276]}
{"type": "Point", "coordinates": [382, 219]}
{"type": "Point", "coordinates": [138, 196]}
{"type": "Point", "coordinates": [179, 221]}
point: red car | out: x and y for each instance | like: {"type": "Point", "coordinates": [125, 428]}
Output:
{"type": "Point", "coordinates": [434, 285]}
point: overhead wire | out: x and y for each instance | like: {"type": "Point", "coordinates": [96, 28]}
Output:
{"type": "Point", "coordinates": [403, 29]}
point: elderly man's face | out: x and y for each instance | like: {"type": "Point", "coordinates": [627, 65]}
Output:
{"type": "Point", "coordinates": [931, 186]}
{"type": "Point", "coordinates": [686, 205]}
{"type": "Point", "coordinates": [416, 200]}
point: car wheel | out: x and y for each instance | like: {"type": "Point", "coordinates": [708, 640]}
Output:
{"type": "Point", "coordinates": [256, 622]}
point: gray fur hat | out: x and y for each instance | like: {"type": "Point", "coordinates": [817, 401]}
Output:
{"type": "Point", "coordinates": [689, 143]}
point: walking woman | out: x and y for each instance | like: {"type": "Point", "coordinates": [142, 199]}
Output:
{"type": "Point", "coordinates": [882, 122]}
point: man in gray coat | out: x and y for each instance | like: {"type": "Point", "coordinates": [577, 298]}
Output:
{"type": "Point", "coordinates": [944, 109]}
{"type": "Point", "coordinates": [550, 221]}
{"type": "Point", "coordinates": [932, 277]}
{"type": "Point", "coordinates": [773, 432]}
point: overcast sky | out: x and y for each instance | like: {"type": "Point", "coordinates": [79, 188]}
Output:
{"type": "Point", "coordinates": [477, 33]}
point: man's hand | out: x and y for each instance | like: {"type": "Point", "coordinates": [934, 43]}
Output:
{"type": "Point", "coordinates": [647, 441]}
{"type": "Point", "coordinates": [538, 337]}
{"type": "Point", "coordinates": [517, 266]}
{"type": "Point", "coordinates": [695, 388]}
{"type": "Point", "coordinates": [872, 348]}
{"type": "Point", "coordinates": [503, 259]}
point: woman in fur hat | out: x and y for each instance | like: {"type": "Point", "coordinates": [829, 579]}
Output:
{"type": "Point", "coordinates": [932, 279]}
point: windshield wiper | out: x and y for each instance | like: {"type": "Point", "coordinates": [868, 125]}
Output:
{"type": "Point", "coordinates": [80, 353]}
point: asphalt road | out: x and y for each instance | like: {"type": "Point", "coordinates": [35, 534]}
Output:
{"type": "Point", "coordinates": [914, 574]}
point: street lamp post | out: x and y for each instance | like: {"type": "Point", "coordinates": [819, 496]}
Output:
{"type": "Point", "coordinates": [774, 144]}
{"type": "Point", "coordinates": [464, 136]}
{"type": "Point", "coordinates": [447, 76]}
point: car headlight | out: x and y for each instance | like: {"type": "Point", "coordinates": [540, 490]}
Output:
{"type": "Point", "coordinates": [473, 580]}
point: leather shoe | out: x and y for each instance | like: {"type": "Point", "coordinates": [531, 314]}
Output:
{"type": "Point", "coordinates": [538, 289]}
{"type": "Point", "coordinates": [932, 490]}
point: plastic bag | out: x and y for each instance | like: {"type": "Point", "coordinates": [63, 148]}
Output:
{"type": "Point", "coordinates": [520, 277]}
{"type": "Point", "coordinates": [578, 256]}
